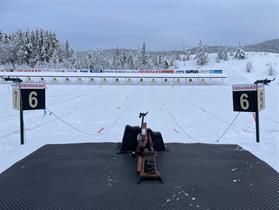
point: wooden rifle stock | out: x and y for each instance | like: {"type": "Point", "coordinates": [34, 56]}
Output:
{"type": "Point", "coordinates": [147, 156]}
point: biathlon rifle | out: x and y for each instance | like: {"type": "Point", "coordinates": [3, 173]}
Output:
{"type": "Point", "coordinates": [264, 81]}
{"type": "Point", "coordinates": [11, 79]}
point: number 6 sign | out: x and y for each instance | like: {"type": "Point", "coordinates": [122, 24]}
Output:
{"type": "Point", "coordinates": [33, 101]}
{"type": "Point", "coordinates": [244, 102]}
{"type": "Point", "coordinates": [31, 94]}
{"type": "Point", "coordinates": [248, 98]}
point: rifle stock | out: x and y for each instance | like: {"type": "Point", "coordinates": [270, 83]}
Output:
{"type": "Point", "coordinates": [147, 156]}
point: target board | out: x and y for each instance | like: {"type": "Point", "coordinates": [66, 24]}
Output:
{"type": "Point", "coordinates": [248, 98]}
{"type": "Point", "coordinates": [31, 95]}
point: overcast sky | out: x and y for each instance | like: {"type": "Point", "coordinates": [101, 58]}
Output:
{"type": "Point", "coordinates": [162, 24]}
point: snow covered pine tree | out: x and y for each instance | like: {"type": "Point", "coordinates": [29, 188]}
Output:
{"type": "Point", "coordinates": [202, 55]}
{"type": "Point", "coordinates": [239, 52]}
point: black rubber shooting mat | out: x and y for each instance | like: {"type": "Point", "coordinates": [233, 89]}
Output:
{"type": "Point", "coordinates": [93, 176]}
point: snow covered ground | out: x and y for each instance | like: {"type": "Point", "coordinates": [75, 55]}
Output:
{"type": "Point", "coordinates": [185, 114]}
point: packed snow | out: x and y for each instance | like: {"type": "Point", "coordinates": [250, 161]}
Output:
{"type": "Point", "coordinates": [184, 114]}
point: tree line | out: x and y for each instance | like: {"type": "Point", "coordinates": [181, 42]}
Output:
{"type": "Point", "coordinates": [34, 48]}
{"type": "Point", "coordinates": [41, 48]}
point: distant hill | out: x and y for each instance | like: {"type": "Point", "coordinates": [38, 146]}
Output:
{"type": "Point", "coordinates": [267, 46]}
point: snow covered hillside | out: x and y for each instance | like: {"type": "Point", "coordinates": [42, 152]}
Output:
{"type": "Point", "coordinates": [261, 65]}
{"type": "Point", "coordinates": [188, 114]}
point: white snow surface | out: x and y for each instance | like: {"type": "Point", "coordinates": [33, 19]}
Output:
{"type": "Point", "coordinates": [184, 114]}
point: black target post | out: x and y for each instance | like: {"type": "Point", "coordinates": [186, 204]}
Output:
{"type": "Point", "coordinates": [21, 118]}
{"type": "Point", "coordinates": [265, 82]}
{"type": "Point", "coordinates": [257, 121]}
{"type": "Point", "coordinates": [257, 127]}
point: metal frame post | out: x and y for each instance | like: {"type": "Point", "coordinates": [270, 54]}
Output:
{"type": "Point", "coordinates": [21, 117]}
{"type": "Point", "coordinates": [257, 127]}
{"type": "Point", "coordinates": [265, 82]}
{"type": "Point", "coordinates": [257, 118]}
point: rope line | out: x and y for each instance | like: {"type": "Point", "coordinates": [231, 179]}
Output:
{"type": "Point", "coordinates": [222, 120]}
{"type": "Point", "coordinates": [186, 133]}
{"type": "Point", "coordinates": [93, 134]}
{"type": "Point", "coordinates": [227, 129]}
{"type": "Point", "coordinates": [71, 126]}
